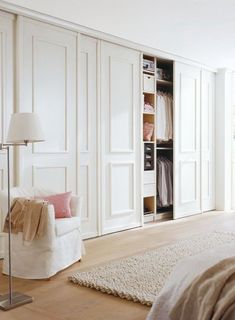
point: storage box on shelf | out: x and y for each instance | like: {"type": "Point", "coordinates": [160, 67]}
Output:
{"type": "Point", "coordinates": [148, 64]}
{"type": "Point", "coordinates": [149, 83]}
{"type": "Point", "coordinates": [149, 155]}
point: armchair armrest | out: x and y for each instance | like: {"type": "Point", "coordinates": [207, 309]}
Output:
{"type": "Point", "coordinates": [48, 240]}
{"type": "Point", "coordinates": [76, 206]}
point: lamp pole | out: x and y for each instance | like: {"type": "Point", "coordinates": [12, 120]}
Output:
{"type": "Point", "coordinates": [24, 128]}
{"type": "Point", "coordinates": [11, 299]}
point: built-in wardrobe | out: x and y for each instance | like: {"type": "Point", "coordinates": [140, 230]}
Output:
{"type": "Point", "coordinates": [88, 93]}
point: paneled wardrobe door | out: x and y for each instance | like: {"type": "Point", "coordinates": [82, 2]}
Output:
{"type": "Point", "coordinates": [7, 24]}
{"type": "Point", "coordinates": [120, 138]}
{"type": "Point", "coordinates": [207, 140]}
{"type": "Point", "coordinates": [87, 132]}
{"type": "Point", "coordinates": [187, 141]}
{"type": "Point", "coordinates": [48, 86]}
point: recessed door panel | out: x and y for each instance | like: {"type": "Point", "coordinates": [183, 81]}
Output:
{"type": "Point", "coordinates": [49, 83]}
{"type": "Point", "coordinates": [51, 178]}
{"type": "Point", "coordinates": [122, 193]}
{"type": "Point", "coordinates": [121, 105]}
{"type": "Point", "coordinates": [188, 182]}
{"type": "Point", "coordinates": [188, 131]}
{"type": "Point", "coordinates": [48, 86]}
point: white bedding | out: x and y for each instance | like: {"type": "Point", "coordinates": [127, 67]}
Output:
{"type": "Point", "coordinates": [183, 274]}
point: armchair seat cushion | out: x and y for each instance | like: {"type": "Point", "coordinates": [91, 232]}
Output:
{"type": "Point", "coordinates": [66, 225]}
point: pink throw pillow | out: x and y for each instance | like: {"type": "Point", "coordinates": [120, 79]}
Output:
{"type": "Point", "coordinates": [61, 203]}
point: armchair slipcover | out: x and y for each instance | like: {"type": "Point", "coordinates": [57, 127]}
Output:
{"type": "Point", "coordinates": [60, 247]}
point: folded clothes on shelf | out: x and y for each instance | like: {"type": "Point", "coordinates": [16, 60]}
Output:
{"type": "Point", "coordinates": [148, 107]}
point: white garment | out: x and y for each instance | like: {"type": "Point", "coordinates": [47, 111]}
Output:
{"type": "Point", "coordinates": [164, 117]}
{"type": "Point", "coordinates": [161, 118]}
{"type": "Point", "coordinates": [169, 117]}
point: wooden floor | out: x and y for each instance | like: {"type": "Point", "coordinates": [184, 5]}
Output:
{"type": "Point", "coordinates": [59, 299]}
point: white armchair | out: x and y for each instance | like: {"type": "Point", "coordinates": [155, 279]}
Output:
{"type": "Point", "coordinates": [60, 247]}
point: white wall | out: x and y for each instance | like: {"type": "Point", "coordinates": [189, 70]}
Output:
{"type": "Point", "coordinates": [202, 30]}
{"type": "Point", "coordinates": [223, 139]}
{"type": "Point", "coordinates": [233, 142]}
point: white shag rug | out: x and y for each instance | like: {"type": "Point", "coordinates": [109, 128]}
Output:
{"type": "Point", "coordinates": [141, 277]}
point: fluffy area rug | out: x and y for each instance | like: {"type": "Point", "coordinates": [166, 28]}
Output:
{"type": "Point", "coordinates": [141, 277]}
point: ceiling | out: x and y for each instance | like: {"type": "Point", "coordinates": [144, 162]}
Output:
{"type": "Point", "coordinates": [202, 30]}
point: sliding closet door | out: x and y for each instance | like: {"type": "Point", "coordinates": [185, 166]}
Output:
{"type": "Point", "coordinates": [187, 141]}
{"type": "Point", "coordinates": [47, 86]}
{"type": "Point", "coordinates": [120, 138]}
{"type": "Point", "coordinates": [7, 24]}
{"type": "Point", "coordinates": [207, 140]}
{"type": "Point", "coordinates": [88, 139]}
{"type": "Point", "coordinates": [6, 96]}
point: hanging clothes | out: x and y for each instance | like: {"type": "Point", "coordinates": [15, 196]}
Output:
{"type": "Point", "coordinates": [164, 182]}
{"type": "Point", "coordinates": [164, 117]}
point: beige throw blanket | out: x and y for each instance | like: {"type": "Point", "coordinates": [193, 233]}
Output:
{"type": "Point", "coordinates": [29, 217]}
{"type": "Point", "coordinates": [211, 296]}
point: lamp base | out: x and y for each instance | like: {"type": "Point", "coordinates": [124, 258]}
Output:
{"type": "Point", "coordinates": [18, 299]}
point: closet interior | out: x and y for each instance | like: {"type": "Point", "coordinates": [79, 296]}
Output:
{"type": "Point", "coordinates": [158, 141]}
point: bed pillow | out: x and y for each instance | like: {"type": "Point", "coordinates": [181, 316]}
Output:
{"type": "Point", "coordinates": [61, 203]}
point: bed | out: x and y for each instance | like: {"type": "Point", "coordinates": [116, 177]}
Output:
{"type": "Point", "coordinates": [181, 298]}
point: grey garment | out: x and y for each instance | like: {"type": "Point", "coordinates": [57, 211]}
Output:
{"type": "Point", "coordinates": [164, 182]}
{"type": "Point", "coordinates": [169, 170]}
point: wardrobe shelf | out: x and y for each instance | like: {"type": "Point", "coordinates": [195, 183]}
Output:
{"type": "Point", "coordinates": [149, 213]}
{"type": "Point", "coordinates": [165, 82]}
{"type": "Point", "coordinates": [167, 215]}
{"type": "Point", "coordinates": [148, 72]}
{"type": "Point", "coordinates": [164, 148]}
{"type": "Point", "coordinates": [149, 92]}
{"type": "Point", "coordinates": [149, 113]}
{"type": "Point", "coordinates": [148, 141]}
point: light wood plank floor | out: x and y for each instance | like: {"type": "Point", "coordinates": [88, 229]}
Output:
{"type": "Point", "coordinates": [59, 299]}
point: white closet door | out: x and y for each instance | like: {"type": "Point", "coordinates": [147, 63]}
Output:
{"type": "Point", "coordinates": [47, 86]}
{"type": "Point", "coordinates": [6, 97]}
{"type": "Point", "coordinates": [88, 135]}
{"type": "Point", "coordinates": [6, 86]}
{"type": "Point", "coordinates": [186, 141]}
{"type": "Point", "coordinates": [120, 138]}
{"type": "Point", "coordinates": [207, 140]}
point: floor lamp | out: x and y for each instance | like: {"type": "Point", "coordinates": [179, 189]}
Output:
{"type": "Point", "coordinates": [24, 128]}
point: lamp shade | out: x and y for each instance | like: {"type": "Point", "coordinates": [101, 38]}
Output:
{"type": "Point", "coordinates": [25, 127]}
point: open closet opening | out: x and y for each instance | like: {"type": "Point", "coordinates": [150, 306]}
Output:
{"type": "Point", "coordinates": [158, 140]}
{"type": "Point", "coordinates": [164, 136]}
